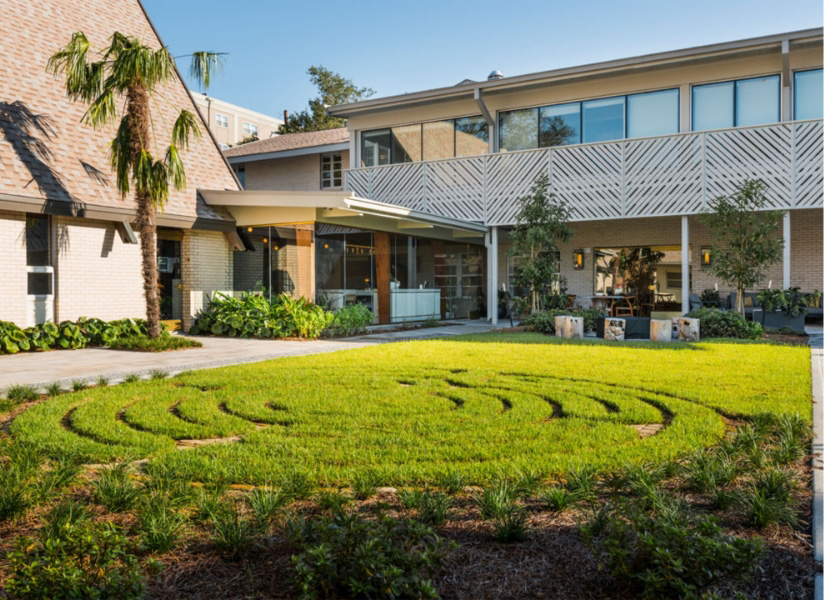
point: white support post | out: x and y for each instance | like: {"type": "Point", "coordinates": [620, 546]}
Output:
{"type": "Point", "coordinates": [787, 259]}
{"type": "Point", "coordinates": [492, 266]}
{"type": "Point", "coordinates": [685, 264]}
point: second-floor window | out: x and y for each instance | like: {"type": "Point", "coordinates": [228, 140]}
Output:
{"type": "Point", "coordinates": [600, 120]}
{"type": "Point", "coordinates": [331, 171]}
{"type": "Point", "coordinates": [250, 129]}
{"type": "Point", "coordinates": [436, 140]}
{"type": "Point", "coordinates": [808, 94]}
{"type": "Point", "coordinates": [753, 101]}
{"type": "Point", "coordinates": [221, 120]}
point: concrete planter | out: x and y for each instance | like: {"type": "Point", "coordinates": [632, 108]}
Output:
{"type": "Point", "coordinates": [779, 319]}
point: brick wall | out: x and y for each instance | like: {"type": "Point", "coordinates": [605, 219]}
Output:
{"type": "Point", "coordinates": [96, 274]}
{"type": "Point", "coordinates": [807, 250]}
{"type": "Point", "coordinates": [297, 174]}
{"type": "Point", "coordinates": [207, 267]}
{"type": "Point", "coordinates": [13, 267]}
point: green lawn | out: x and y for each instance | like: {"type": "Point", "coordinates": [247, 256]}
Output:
{"type": "Point", "coordinates": [406, 412]}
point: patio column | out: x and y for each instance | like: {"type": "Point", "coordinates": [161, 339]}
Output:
{"type": "Point", "coordinates": [787, 259]}
{"type": "Point", "coordinates": [492, 267]}
{"type": "Point", "coordinates": [685, 264]}
{"type": "Point", "coordinates": [382, 260]}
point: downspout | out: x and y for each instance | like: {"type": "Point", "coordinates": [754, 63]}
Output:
{"type": "Point", "coordinates": [490, 122]}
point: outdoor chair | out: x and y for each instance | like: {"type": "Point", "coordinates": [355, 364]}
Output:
{"type": "Point", "coordinates": [626, 309]}
{"type": "Point", "coordinates": [695, 302]}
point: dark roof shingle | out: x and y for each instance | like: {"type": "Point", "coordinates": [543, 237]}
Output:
{"type": "Point", "coordinates": [291, 141]}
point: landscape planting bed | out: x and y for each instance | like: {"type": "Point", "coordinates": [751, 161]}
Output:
{"type": "Point", "coordinates": [404, 413]}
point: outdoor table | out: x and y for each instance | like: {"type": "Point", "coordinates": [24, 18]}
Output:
{"type": "Point", "coordinates": [605, 302]}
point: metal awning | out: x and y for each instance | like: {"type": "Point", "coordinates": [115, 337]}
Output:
{"type": "Point", "coordinates": [262, 208]}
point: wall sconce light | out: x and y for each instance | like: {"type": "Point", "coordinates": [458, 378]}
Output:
{"type": "Point", "coordinates": [578, 259]}
{"type": "Point", "coordinates": [706, 256]}
{"type": "Point", "coordinates": [250, 229]}
{"type": "Point", "coordinates": [326, 246]}
{"type": "Point", "coordinates": [265, 240]}
{"type": "Point", "coordinates": [274, 248]}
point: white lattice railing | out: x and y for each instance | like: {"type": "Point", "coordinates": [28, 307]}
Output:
{"type": "Point", "coordinates": [659, 176]}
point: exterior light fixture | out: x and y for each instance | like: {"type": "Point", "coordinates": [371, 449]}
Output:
{"type": "Point", "coordinates": [275, 248]}
{"type": "Point", "coordinates": [366, 280]}
{"type": "Point", "coordinates": [326, 246]}
{"type": "Point", "coordinates": [578, 259]}
{"type": "Point", "coordinates": [706, 256]}
{"type": "Point", "coordinates": [250, 229]}
{"type": "Point", "coordinates": [265, 240]}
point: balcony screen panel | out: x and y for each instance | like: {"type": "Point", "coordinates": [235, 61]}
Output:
{"type": "Point", "coordinates": [471, 136]}
{"type": "Point", "coordinates": [406, 143]}
{"type": "Point", "coordinates": [603, 120]}
{"type": "Point", "coordinates": [712, 106]}
{"type": "Point", "coordinates": [376, 148]}
{"type": "Point", "coordinates": [809, 95]}
{"type": "Point", "coordinates": [519, 129]}
{"type": "Point", "coordinates": [438, 140]}
{"type": "Point", "coordinates": [757, 101]}
{"type": "Point", "coordinates": [655, 113]}
{"type": "Point", "coordinates": [560, 125]}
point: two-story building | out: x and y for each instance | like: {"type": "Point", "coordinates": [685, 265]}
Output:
{"type": "Point", "coordinates": [635, 148]}
{"type": "Point", "coordinates": [230, 123]}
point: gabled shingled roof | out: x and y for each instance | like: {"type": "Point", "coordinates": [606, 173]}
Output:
{"type": "Point", "coordinates": [47, 155]}
{"type": "Point", "coordinates": [291, 141]}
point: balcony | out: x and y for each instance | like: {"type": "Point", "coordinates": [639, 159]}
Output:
{"type": "Point", "coordinates": [643, 177]}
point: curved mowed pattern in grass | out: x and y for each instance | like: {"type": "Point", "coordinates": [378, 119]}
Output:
{"type": "Point", "coordinates": [479, 404]}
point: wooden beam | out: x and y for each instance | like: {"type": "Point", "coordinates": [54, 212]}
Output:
{"type": "Point", "coordinates": [382, 261]}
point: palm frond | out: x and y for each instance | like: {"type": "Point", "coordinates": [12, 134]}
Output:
{"type": "Point", "coordinates": [133, 63]}
{"type": "Point", "coordinates": [185, 127]}
{"type": "Point", "coordinates": [84, 79]}
{"type": "Point", "coordinates": [160, 185]}
{"type": "Point", "coordinates": [102, 110]}
{"type": "Point", "coordinates": [204, 66]}
{"type": "Point", "coordinates": [174, 167]}
{"type": "Point", "coordinates": [120, 155]}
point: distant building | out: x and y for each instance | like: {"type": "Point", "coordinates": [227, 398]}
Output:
{"type": "Point", "coordinates": [231, 123]}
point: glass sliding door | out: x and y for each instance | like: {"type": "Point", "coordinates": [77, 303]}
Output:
{"type": "Point", "coordinates": [344, 267]}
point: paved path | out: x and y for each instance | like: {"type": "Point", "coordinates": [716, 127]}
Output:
{"type": "Point", "coordinates": [64, 366]}
{"type": "Point", "coordinates": [818, 463]}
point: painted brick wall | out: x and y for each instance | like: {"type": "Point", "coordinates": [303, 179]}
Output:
{"type": "Point", "coordinates": [807, 250]}
{"type": "Point", "coordinates": [13, 280]}
{"type": "Point", "coordinates": [298, 174]}
{"type": "Point", "coordinates": [207, 267]}
{"type": "Point", "coordinates": [96, 274]}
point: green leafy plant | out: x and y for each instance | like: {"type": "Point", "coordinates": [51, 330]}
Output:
{"type": "Point", "coordinates": [143, 343]}
{"type": "Point", "coordinates": [791, 301]}
{"type": "Point", "coordinates": [706, 470]}
{"type": "Point", "coordinates": [54, 389]}
{"type": "Point", "coordinates": [102, 381]}
{"type": "Point", "coordinates": [86, 560]}
{"type": "Point", "coordinates": [296, 484]}
{"type": "Point", "coordinates": [79, 385]}
{"type": "Point", "coordinates": [159, 523]}
{"type": "Point", "coordinates": [347, 556]}
{"type": "Point", "coordinates": [451, 481]}
{"type": "Point", "coordinates": [410, 499]}
{"type": "Point", "coordinates": [433, 508]}
{"type": "Point", "coordinates": [510, 526]}
{"type": "Point", "coordinates": [583, 480]}
{"type": "Point", "coordinates": [61, 519]}
{"type": "Point", "coordinates": [332, 501]}
{"type": "Point", "coordinates": [231, 531]}
{"type": "Point", "coordinates": [62, 472]}
{"type": "Point", "coordinates": [558, 499]}
{"type": "Point", "coordinates": [115, 490]}
{"type": "Point", "coordinates": [761, 509]}
{"type": "Point", "coordinates": [365, 485]}
{"type": "Point", "coordinates": [544, 321]}
{"type": "Point", "coordinates": [726, 324]}
{"type": "Point", "coordinates": [266, 503]}
{"type": "Point", "coordinates": [710, 298]}
{"type": "Point", "coordinates": [21, 393]}
{"type": "Point", "coordinates": [351, 320]}
{"type": "Point", "coordinates": [495, 499]}
{"type": "Point", "coordinates": [131, 378]}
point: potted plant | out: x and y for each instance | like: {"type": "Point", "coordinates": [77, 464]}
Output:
{"type": "Point", "coordinates": [783, 308]}
{"type": "Point", "coordinates": [711, 298]}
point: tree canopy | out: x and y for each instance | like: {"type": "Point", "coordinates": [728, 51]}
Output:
{"type": "Point", "coordinates": [333, 88]}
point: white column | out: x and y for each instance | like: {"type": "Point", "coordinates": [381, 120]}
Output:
{"type": "Point", "coordinates": [787, 235]}
{"type": "Point", "coordinates": [685, 264]}
{"type": "Point", "coordinates": [493, 273]}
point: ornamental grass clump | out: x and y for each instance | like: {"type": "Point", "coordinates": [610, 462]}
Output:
{"type": "Point", "coordinates": [115, 490]}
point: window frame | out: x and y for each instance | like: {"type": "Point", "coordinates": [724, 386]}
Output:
{"type": "Point", "coordinates": [735, 100]}
{"type": "Point", "coordinates": [41, 269]}
{"type": "Point", "coordinates": [794, 101]}
{"type": "Point", "coordinates": [332, 162]}
{"type": "Point", "coordinates": [247, 129]}
{"type": "Point", "coordinates": [221, 120]}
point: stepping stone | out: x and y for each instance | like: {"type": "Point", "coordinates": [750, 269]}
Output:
{"type": "Point", "coordinates": [647, 430]}
{"type": "Point", "coordinates": [615, 329]}
{"type": "Point", "coordinates": [688, 329]}
{"type": "Point", "coordinates": [660, 330]}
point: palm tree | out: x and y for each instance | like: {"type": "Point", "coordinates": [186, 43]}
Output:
{"type": "Point", "coordinates": [131, 71]}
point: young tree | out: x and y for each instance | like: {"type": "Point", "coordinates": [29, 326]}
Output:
{"type": "Point", "coordinates": [131, 71]}
{"type": "Point", "coordinates": [540, 224]}
{"type": "Point", "coordinates": [333, 89]}
{"type": "Point", "coordinates": [746, 240]}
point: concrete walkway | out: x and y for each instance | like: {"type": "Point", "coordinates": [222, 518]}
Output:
{"type": "Point", "coordinates": [818, 464]}
{"type": "Point", "coordinates": [64, 366]}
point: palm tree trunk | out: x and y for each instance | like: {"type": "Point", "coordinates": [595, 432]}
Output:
{"type": "Point", "coordinates": [137, 112]}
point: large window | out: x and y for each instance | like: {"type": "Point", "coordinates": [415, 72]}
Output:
{"type": "Point", "coordinates": [601, 120]}
{"type": "Point", "coordinates": [38, 255]}
{"type": "Point", "coordinates": [221, 120]}
{"type": "Point", "coordinates": [754, 101]}
{"type": "Point", "coordinates": [808, 95]}
{"type": "Point", "coordinates": [435, 140]}
{"type": "Point", "coordinates": [331, 171]}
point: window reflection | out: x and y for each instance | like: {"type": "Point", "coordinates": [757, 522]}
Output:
{"type": "Point", "coordinates": [376, 147]}
{"type": "Point", "coordinates": [809, 95]}
{"type": "Point", "coordinates": [519, 129]}
{"type": "Point", "coordinates": [560, 125]}
{"type": "Point", "coordinates": [655, 113]}
{"type": "Point", "coordinates": [471, 136]}
{"type": "Point", "coordinates": [756, 101]}
{"type": "Point", "coordinates": [406, 143]}
{"type": "Point", "coordinates": [438, 140]}
{"type": "Point", "coordinates": [603, 120]}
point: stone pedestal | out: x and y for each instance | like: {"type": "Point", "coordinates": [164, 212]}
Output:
{"type": "Point", "coordinates": [660, 330]}
{"type": "Point", "coordinates": [614, 329]}
{"type": "Point", "coordinates": [569, 327]}
{"type": "Point", "coordinates": [688, 330]}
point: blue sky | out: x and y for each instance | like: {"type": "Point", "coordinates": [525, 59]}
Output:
{"type": "Point", "coordinates": [396, 47]}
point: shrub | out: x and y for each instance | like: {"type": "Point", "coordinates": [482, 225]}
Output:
{"type": "Point", "coordinates": [351, 320]}
{"type": "Point", "coordinates": [775, 483]}
{"type": "Point", "coordinates": [158, 374]}
{"type": "Point", "coordinates": [582, 480]}
{"type": "Point", "coordinates": [102, 381]}
{"type": "Point", "coordinates": [164, 343]}
{"type": "Point", "coordinates": [544, 321]}
{"type": "Point", "coordinates": [62, 473]}
{"type": "Point", "coordinates": [674, 554]}
{"type": "Point", "coordinates": [725, 324]}
{"type": "Point", "coordinates": [86, 561]}
{"type": "Point", "coordinates": [61, 519]}
{"type": "Point", "coordinates": [14, 497]}
{"type": "Point", "coordinates": [253, 315]}
{"type": "Point", "coordinates": [706, 471]}
{"type": "Point", "coordinates": [345, 555]}
{"type": "Point", "coordinates": [66, 335]}
{"type": "Point", "coordinates": [114, 490]}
